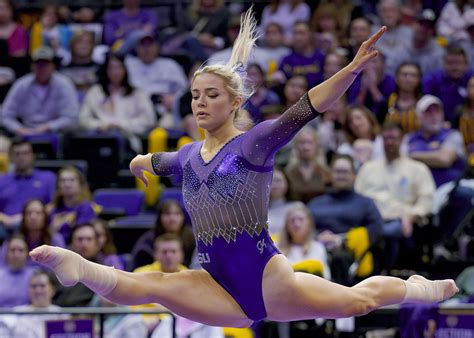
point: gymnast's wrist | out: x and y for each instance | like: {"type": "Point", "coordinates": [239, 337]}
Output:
{"type": "Point", "coordinates": [352, 69]}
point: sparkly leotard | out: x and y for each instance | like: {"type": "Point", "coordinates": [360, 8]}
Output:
{"type": "Point", "coordinates": [227, 200]}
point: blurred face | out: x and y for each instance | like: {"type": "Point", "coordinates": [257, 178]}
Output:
{"type": "Point", "coordinates": [423, 31]}
{"type": "Point", "coordinates": [211, 102]}
{"type": "Point", "coordinates": [327, 23]}
{"type": "Point", "coordinates": [41, 291]}
{"type": "Point", "coordinates": [295, 88]}
{"type": "Point", "coordinates": [115, 71]}
{"type": "Point", "coordinates": [83, 46]}
{"type": "Point", "coordinates": [342, 174]}
{"type": "Point", "coordinates": [301, 37]}
{"type": "Point", "coordinates": [147, 50]}
{"type": "Point", "coordinates": [360, 31]}
{"type": "Point", "coordinates": [22, 157]}
{"type": "Point", "coordinates": [49, 18]}
{"type": "Point", "coordinates": [169, 254]}
{"type": "Point", "coordinates": [332, 65]}
{"type": "Point", "coordinates": [255, 76]}
{"type": "Point", "coordinates": [35, 216]}
{"type": "Point", "coordinates": [273, 36]}
{"type": "Point", "coordinates": [43, 71]}
{"type": "Point", "coordinates": [84, 242]}
{"type": "Point", "coordinates": [389, 13]}
{"type": "Point", "coordinates": [17, 254]}
{"type": "Point", "coordinates": [359, 124]}
{"type": "Point", "coordinates": [131, 3]}
{"type": "Point", "coordinates": [408, 78]}
{"type": "Point", "coordinates": [431, 120]}
{"type": "Point", "coordinates": [298, 226]}
{"type": "Point", "coordinates": [101, 235]}
{"type": "Point", "coordinates": [172, 219]}
{"type": "Point", "coordinates": [6, 13]}
{"type": "Point", "coordinates": [455, 65]}
{"type": "Point", "coordinates": [279, 185]}
{"type": "Point", "coordinates": [392, 139]}
{"type": "Point", "coordinates": [306, 146]}
{"type": "Point", "coordinates": [69, 184]}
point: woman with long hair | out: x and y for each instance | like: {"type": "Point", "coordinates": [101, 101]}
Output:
{"type": "Point", "coordinates": [226, 186]}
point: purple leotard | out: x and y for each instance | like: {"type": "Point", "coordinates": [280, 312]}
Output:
{"type": "Point", "coordinates": [227, 200]}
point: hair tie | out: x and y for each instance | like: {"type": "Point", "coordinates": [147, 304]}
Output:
{"type": "Point", "coordinates": [240, 69]}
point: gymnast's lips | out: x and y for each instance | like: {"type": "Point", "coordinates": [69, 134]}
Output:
{"type": "Point", "coordinates": [201, 114]}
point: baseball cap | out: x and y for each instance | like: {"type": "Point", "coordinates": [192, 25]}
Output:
{"type": "Point", "coordinates": [427, 15]}
{"type": "Point", "coordinates": [43, 53]}
{"type": "Point", "coordinates": [426, 101]}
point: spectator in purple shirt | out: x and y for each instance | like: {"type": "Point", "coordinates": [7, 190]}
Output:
{"type": "Point", "coordinates": [449, 84]}
{"type": "Point", "coordinates": [305, 59]}
{"type": "Point", "coordinates": [40, 102]}
{"type": "Point", "coordinates": [16, 274]}
{"type": "Point", "coordinates": [124, 27]}
{"type": "Point", "coordinates": [23, 184]}
{"type": "Point", "coordinates": [72, 204]}
{"type": "Point", "coordinates": [373, 87]}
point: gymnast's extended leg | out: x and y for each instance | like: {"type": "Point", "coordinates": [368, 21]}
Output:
{"type": "Point", "coordinates": [294, 296]}
{"type": "Point", "coordinates": [193, 294]}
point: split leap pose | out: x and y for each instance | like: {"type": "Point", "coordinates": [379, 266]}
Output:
{"type": "Point", "coordinates": [226, 188]}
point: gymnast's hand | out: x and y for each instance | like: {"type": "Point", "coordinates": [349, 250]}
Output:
{"type": "Point", "coordinates": [139, 165]}
{"type": "Point", "coordinates": [366, 52]}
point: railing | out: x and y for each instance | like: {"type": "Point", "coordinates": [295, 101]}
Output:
{"type": "Point", "coordinates": [101, 312]}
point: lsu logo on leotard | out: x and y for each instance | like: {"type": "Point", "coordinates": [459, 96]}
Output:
{"type": "Point", "coordinates": [261, 245]}
{"type": "Point", "coordinates": [203, 258]}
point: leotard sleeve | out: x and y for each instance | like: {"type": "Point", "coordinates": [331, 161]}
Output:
{"type": "Point", "coordinates": [262, 141]}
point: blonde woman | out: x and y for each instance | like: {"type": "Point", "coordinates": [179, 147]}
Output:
{"type": "Point", "coordinates": [226, 186]}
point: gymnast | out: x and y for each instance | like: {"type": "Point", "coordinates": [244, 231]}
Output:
{"type": "Point", "coordinates": [226, 186]}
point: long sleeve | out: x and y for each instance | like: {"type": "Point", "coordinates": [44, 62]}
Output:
{"type": "Point", "coordinates": [142, 114]}
{"type": "Point", "coordinates": [9, 116]}
{"type": "Point", "coordinates": [87, 117]}
{"type": "Point", "coordinates": [267, 137]}
{"type": "Point", "coordinates": [373, 220]}
{"type": "Point", "coordinates": [67, 104]}
{"type": "Point", "coordinates": [166, 164]}
{"type": "Point", "coordinates": [425, 189]}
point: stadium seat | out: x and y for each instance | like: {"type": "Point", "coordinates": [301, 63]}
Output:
{"type": "Point", "coordinates": [128, 201]}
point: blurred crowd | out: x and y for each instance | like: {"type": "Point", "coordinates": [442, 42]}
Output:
{"type": "Point", "coordinates": [381, 183]}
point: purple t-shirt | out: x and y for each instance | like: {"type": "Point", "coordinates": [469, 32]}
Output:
{"type": "Point", "coordinates": [309, 66]}
{"type": "Point", "coordinates": [14, 286]}
{"type": "Point", "coordinates": [230, 193]}
{"type": "Point", "coordinates": [66, 218]}
{"type": "Point", "coordinates": [386, 87]}
{"type": "Point", "coordinates": [118, 25]}
{"type": "Point", "coordinates": [451, 92]}
{"type": "Point", "coordinates": [17, 190]}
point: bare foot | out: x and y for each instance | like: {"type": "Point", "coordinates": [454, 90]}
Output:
{"type": "Point", "coordinates": [434, 291]}
{"type": "Point", "coordinates": [65, 264]}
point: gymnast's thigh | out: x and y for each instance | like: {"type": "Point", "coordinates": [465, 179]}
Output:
{"type": "Point", "coordinates": [194, 294]}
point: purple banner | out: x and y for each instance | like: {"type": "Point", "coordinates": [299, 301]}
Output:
{"type": "Point", "coordinates": [80, 328]}
{"type": "Point", "coordinates": [455, 326]}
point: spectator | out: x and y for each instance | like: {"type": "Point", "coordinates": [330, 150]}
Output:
{"type": "Point", "coordinates": [262, 96]}
{"type": "Point", "coordinates": [170, 219]}
{"type": "Point", "coordinates": [440, 148]}
{"type": "Point", "coordinates": [72, 203]}
{"type": "Point", "coordinates": [123, 27]}
{"type": "Point", "coordinates": [297, 240]}
{"type": "Point", "coordinates": [114, 105]}
{"type": "Point", "coordinates": [23, 184]}
{"type": "Point", "coordinates": [82, 69]}
{"type": "Point", "coordinates": [401, 103]}
{"type": "Point", "coordinates": [468, 44]}
{"type": "Point", "coordinates": [286, 13]}
{"type": "Point", "coordinates": [401, 188]}
{"type": "Point", "coordinates": [465, 121]}
{"type": "Point", "coordinates": [49, 32]}
{"type": "Point", "coordinates": [158, 76]}
{"type": "Point", "coordinates": [326, 20]}
{"type": "Point", "coordinates": [40, 102]}
{"type": "Point", "coordinates": [329, 126]}
{"type": "Point", "coordinates": [306, 172]}
{"type": "Point", "coordinates": [84, 241]}
{"type": "Point", "coordinates": [339, 211]}
{"type": "Point", "coordinates": [423, 49]}
{"type": "Point", "coordinates": [15, 274]}
{"type": "Point", "coordinates": [107, 250]}
{"type": "Point", "coordinates": [278, 205]}
{"type": "Point", "coordinates": [333, 63]}
{"type": "Point", "coordinates": [15, 36]}
{"type": "Point", "coordinates": [395, 40]}
{"type": "Point", "coordinates": [359, 31]}
{"type": "Point", "coordinates": [360, 123]}
{"type": "Point", "coordinates": [452, 20]}
{"type": "Point", "coordinates": [272, 49]}
{"type": "Point", "coordinates": [305, 59]}
{"type": "Point", "coordinates": [41, 292]}
{"type": "Point", "coordinates": [449, 84]}
{"type": "Point", "coordinates": [35, 229]}
{"type": "Point", "coordinates": [373, 87]}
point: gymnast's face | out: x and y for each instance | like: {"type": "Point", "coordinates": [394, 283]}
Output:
{"type": "Point", "coordinates": [212, 103]}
